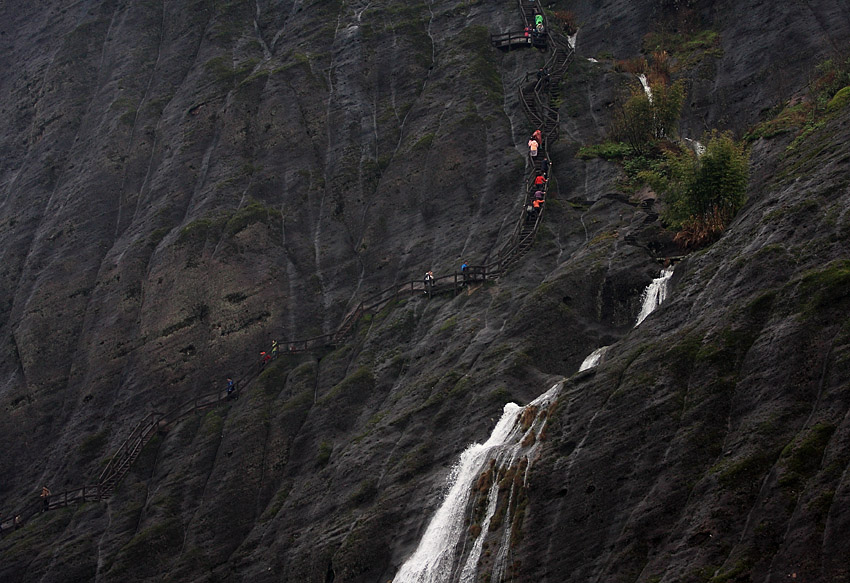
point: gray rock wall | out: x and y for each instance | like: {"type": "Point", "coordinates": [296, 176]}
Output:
{"type": "Point", "coordinates": [182, 183]}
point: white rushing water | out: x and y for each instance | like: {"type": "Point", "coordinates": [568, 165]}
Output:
{"type": "Point", "coordinates": [594, 358]}
{"type": "Point", "coordinates": [697, 147]}
{"type": "Point", "coordinates": [572, 40]}
{"type": "Point", "coordinates": [434, 560]}
{"type": "Point", "coordinates": [654, 294]}
{"type": "Point", "coordinates": [646, 88]}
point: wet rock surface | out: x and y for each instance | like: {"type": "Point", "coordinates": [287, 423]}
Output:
{"type": "Point", "coordinates": [182, 183]}
{"type": "Point", "coordinates": [713, 440]}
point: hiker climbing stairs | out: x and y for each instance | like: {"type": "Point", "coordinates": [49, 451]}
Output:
{"type": "Point", "coordinates": [540, 101]}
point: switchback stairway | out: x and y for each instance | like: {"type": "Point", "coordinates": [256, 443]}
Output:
{"type": "Point", "coordinates": [540, 99]}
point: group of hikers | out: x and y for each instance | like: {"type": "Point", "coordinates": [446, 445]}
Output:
{"type": "Point", "coordinates": [534, 32]}
{"type": "Point", "coordinates": [535, 142]}
{"type": "Point", "coordinates": [429, 280]}
{"type": "Point", "coordinates": [541, 175]}
{"type": "Point", "coordinates": [270, 355]}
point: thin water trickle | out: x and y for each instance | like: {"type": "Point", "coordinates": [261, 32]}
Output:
{"type": "Point", "coordinates": [594, 358]}
{"type": "Point", "coordinates": [654, 294]}
{"type": "Point", "coordinates": [646, 88]}
{"type": "Point", "coordinates": [697, 147]}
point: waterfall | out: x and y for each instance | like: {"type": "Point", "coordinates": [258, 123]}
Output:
{"type": "Point", "coordinates": [594, 358]}
{"type": "Point", "coordinates": [654, 294]}
{"type": "Point", "coordinates": [646, 88]}
{"type": "Point", "coordinates": [697, 147]}
{"type": "Point", "coordinates": [572, 40]}
{"type": "Point", "coordinates": [514, 439]}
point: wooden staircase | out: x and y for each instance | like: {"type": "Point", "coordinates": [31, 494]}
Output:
{"type": "Point", "coordinates": [527, 37]}
{"type": "Point", "coordinates": [540, 101]}
{"type": "Point", "coordinates": [127, 453]}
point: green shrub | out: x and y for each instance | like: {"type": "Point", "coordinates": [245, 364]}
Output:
{"type": "Point", "coordinates": [235, 297]}
{"type": "Point", "coordinates": [828, 287]}
{"type": "Point", "coordinates": [801, 460]}
{"type": "Point", "coordinates": [606, 150]}
{"type": "Point", "coordinates": [839, 100]}
{"type": "Point", "coordinates": [254, 212]}
{"type": "Point", "coordinates": [831, 76]}
{"type": "Point", "coordinates": [680, 44]}
{"type": "Point", "coordinates": [324, 454]}
{"type": "Point", "coordinates": [199, 230]}
{"type": "Point", "coordinates": [791, 118]}
{"type": "Point", "coordinates": [708, 189]}
{"type": "Point", "coordinates": [641, 122]}
{"type": "Point", "coordinates": [424, 143]}
{"type": "Point", "coordinates": [223, 71]}
{"type": "Point", "coordinates": [157, 236]}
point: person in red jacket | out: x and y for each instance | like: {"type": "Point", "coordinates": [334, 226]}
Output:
{"type": "Point", "coordinates": [264, 358]}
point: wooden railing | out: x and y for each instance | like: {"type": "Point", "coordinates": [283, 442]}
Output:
{"type": "Point", "coordinates": [90, 493]}
{"type": "Point", "coordinates": [510, 39]}
{"type": "Point", "coordinates": [545, 117]}
{"type": "Point", "coordinates": [526, 37]}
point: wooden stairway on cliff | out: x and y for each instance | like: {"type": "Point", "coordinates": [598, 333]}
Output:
{"type": "Point", "coordinates": [540, 102]}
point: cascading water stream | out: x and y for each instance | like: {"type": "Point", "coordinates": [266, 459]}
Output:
{"type": "Point", "coordinates": [435, 559]}
{"type": "Point", "coordinates": [696, 146]}
{"type": "Point", "coordinates": [654, 294]}
{"type": "Point", "coordinates": [646, 88]}
{"type": "Point", "coordinates": [594, 358]}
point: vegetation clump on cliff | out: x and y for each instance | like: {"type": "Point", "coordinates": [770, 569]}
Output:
{"type": "Point", "coordinates": [703, 193]}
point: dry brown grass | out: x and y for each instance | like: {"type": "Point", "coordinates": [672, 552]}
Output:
{"type": "Point", "coordinates": [659, 70]}
{"type": "Point", "coordinates": [698, 232]}
{"type": "Point", "coordinates": [635, 66]}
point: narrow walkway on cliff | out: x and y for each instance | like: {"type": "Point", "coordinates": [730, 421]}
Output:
{"type": "Point", "coordinates": [539, 94]}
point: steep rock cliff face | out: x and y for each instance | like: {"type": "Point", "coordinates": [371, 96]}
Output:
{"type": "Point", "coordinates": [713, 440]}
{"type": "Point", "coordinates": [181, 183]}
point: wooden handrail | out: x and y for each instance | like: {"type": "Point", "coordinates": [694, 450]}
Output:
{"type": "Point", "coordinates": [507, 254]}
{"type": "Point", "coordinates": [542, 114]}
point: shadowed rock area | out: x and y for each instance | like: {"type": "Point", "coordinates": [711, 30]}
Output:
{"type": "Point", "coordinates": [183, 182]}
